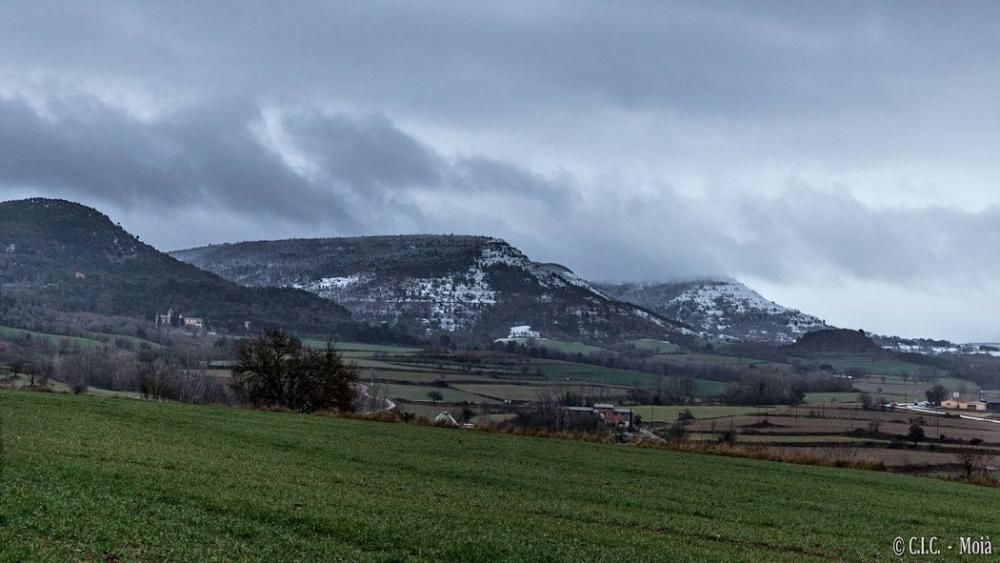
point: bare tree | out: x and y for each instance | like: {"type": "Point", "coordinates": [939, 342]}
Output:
{"type": "Point", "coordinates": [973, 461]}
{"type": "Point", "coordinates": [122, 370]}
{"type": "Point", "coordinates": [274, 369]}
{"type": "Point", "coordinates": [153, 379]}
{"type": "Point", "coordinates": [936, 394]}
{"type": "Point", "coordinates": [916, 433]}
{"type": "Point", "coordinates": [866, 400]}
{"type": "Point", "coordinates": [196, 386]}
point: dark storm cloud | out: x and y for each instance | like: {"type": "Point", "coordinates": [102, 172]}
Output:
{"type": "Point", "coordinates": [488, 60]}
{"type": "Point", "coordinates": [364, 154]}
{"type": "Point", "coordinates": [85, 148]}
{"type": "Point", "coordinates": [218, 155]}
{"type": "Point", "coordinates": [727, 58]}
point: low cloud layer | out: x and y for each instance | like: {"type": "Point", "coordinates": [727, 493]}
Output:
{"type": "Point", "coordinates": [813, 150]}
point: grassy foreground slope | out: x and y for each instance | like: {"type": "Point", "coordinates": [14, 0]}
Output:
{"type": "Point", "coordinates": [88, 478]}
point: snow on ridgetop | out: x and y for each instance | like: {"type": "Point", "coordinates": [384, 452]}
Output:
{"type": "Point", "coordinates": [497, 251]}
{"type": "Point", "coordinates": [709, 294]}
{"type": "Point", "coordinates": [728, 308]}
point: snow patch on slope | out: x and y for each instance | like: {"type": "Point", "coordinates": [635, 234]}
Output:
{"type": "Point", "coordinates": [328, 284]}
{"type": "Point", "coordinates": [717, 299]}
{"type": "Point", "coordinates": [719, 308]}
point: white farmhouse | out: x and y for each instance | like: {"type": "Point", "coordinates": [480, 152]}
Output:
{"type": "Point", "coordinates": [167, 319]}
{"type": "Point", "coordinates": [523, 331]}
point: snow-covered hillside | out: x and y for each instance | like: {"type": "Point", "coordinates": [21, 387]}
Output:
{"type": "Point", "coordinates": [454, 300]}
{"type": "Point", "coordinates": [435, 283]}
{"type": "Point", "coordinates": [719, 308]}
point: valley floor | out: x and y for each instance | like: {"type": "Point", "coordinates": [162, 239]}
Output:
{"type": "Point", "coordinates": [92, 478]}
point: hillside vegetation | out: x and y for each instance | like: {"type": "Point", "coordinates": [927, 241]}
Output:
{"type": "Point", "coordinates": [59, 257]}
{"type": "Point", "coordinates": [111, 479]}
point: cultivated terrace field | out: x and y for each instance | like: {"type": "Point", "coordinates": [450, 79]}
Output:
{"type": "Point", "coordinates": [408, 375]}
{"type": "Point", "coordinates": [838, 432]}
{"type": "Point", "coordinates": [102, 479]}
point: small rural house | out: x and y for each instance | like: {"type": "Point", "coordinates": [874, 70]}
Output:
{"type": "Point", "coordinates": [610, 414]}
{"type": "Point", "coordinates": [620, 416]}
{"type": "Point", "coordinates": [954, 404]}
{"type": "Point", "coordinates": [523, 331]}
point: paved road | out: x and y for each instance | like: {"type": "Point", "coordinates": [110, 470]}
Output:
{"type": "Point", "coordinates": [387, 404]}
{"type": "Point", "coordinates": [928, 410]}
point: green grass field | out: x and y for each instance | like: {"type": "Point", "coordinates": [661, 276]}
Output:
{"type": "Point", "coordinates": [418, 377]}
{"type": "Point", "coordinates": [364, 362]}
{"type": "Point", "coordinates": [532, 392]}
{"type": "Point", "coordinates": [18, 381]}
{"type": "Point", "coordinates": [92, 479]}
{"type": "Point", "coordinates": [698, 358]}
{"type": "Point", "coordinates": [53, 339]}
{"type": "Point", "coordinates": [362, 347]}
{"type": "Point", "coordinates": [559, 345]}
{"type": "Point", "coordinates": [707, 388]}
{"type": "Point", "coordinates": [668, 413]}
{"type": "Point", "coordinates": [833, 397]}
{"type": "Point", "coordinates": [873, 366]}
{"type": "Point", "coordinates": [850, 397]}
{"type": "Point", "coordinates": [419, 393]}
{"type": "Point", "coordinates": [659, 346]}
{"type": "Point", "coordinates": [91, 340]}
{"type": "Point", "coordinates": [566, 371]}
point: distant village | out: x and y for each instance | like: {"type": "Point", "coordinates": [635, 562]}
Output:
{"type": "Point", "coordinates": [622, 417]}
{"type": "Point", "coordinates": [176, 320]}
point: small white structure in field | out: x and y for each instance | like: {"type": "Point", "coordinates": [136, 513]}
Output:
{"type": "Point", "coordinates": [444, 417]}
{"type": "Point", "coordinates": [523, 331]}
{"type": "Point", "coordinates": [194, 322]}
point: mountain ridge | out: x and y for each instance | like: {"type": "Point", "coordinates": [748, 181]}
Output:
{"type": "Point", "coordinates": [436, 283]}
{"type": "Point", "coordinates": [718, 307]}
{"type": "Point", "coordinates": [66, 258]}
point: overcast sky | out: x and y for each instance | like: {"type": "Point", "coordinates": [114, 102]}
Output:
{"type": "Point", "coordinates": [840, 157]}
